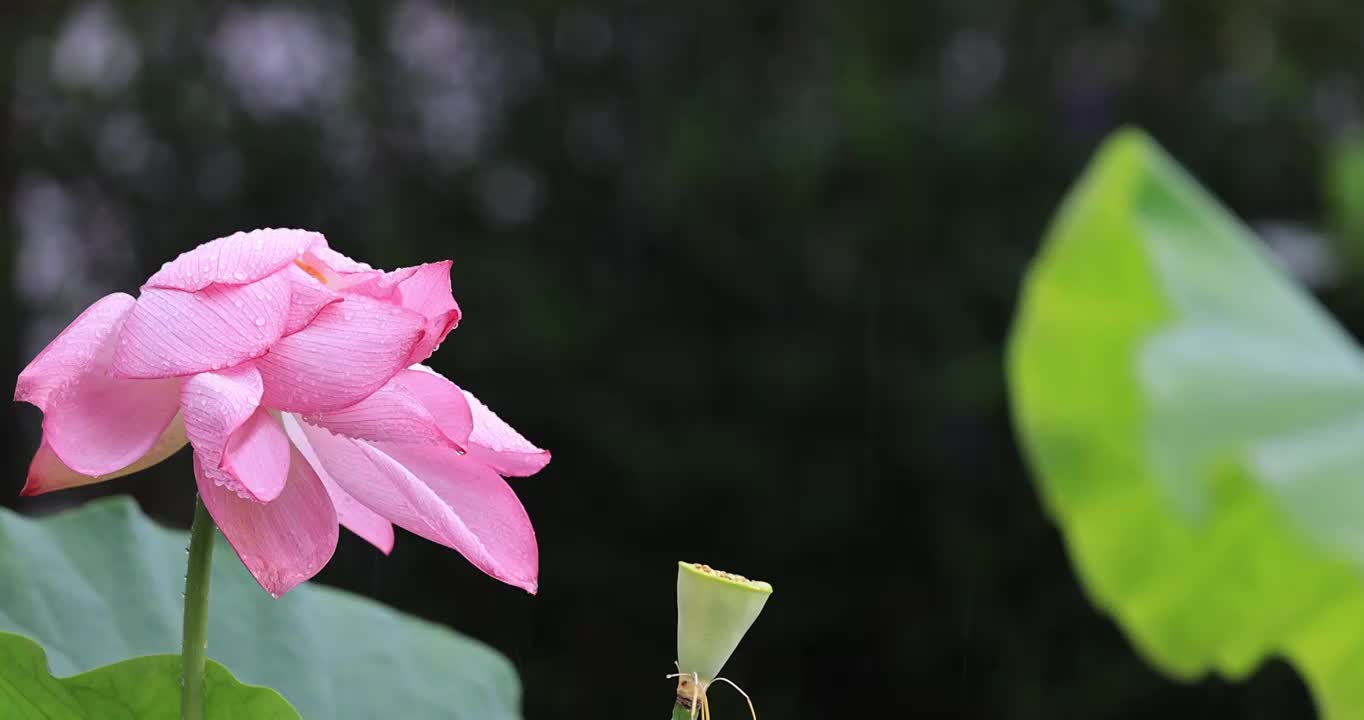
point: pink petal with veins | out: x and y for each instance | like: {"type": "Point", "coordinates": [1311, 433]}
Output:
{"type": "Point", "coordinates": [307, 297]}
{"type": "Point", "coordinates": [424, 289]}
{"type": "Point", "coordinates": [443, 399]}
{"type": "Point", "coordinates": [369, 525]}
{"type": "Point", "coordinates": [487, 523]}
{"type": "Point", "coordinates": [495, 443]}
{"type": "Point", "coordinates": [79, 349]}
{"type": "Point", "coordinates": [173, 333]}
{"type": "Point", "coordinates": [238, 445]}
{"type": "Point", "coordinates": [350, 350]}
{"type": "Point", "coordinates": [257, 457]}
{"type": "Point", "coordinates": [412, 407]}
{"type": "Point", "coordinates": [441, 496]}
{"type": "Point", "coordinates": [99, 425]}
{"type": "Point", "coordinates": [338, 268]}
{"type": "Point", "coordinates": [238, 259]}
{"type": "Point", "coordinates": [69, 381]}
{"type": "Point", "coordinates": [47, 472]}
{"type": "Point", "coordinates": [283, 542]}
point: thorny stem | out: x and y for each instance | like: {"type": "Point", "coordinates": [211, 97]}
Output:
{"type": "Point", "coordinates": [196, 614]}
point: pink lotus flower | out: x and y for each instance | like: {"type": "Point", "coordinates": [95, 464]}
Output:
{"type": "Point", "coordinates": [293, 372]}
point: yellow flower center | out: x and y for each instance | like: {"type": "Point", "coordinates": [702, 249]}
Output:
{"type": "Point", "coordinates": [312, 271]}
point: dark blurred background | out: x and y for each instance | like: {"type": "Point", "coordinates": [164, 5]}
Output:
{"type": "Point", "coordinates": [746, 268]}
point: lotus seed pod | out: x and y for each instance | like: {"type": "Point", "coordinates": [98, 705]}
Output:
{"type": "Point", "coordinates": [714, 611]}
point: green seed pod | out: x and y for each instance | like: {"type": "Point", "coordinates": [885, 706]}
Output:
{"type": "Point", "coordinates": [714, 611]}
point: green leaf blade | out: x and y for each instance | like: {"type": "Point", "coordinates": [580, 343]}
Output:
{"type": "Point", "coordinates": [1195, 423]}
{"type": "Point", "coordinates": [103, 582]}
{"type": "Point", "coordinates": [144, 688]}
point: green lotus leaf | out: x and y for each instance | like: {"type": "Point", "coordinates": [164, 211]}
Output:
{"type": "Point", "coordinates": [145, 688]}
{"type": "Point", "coordinates": [1195, 423]}
{"type": "Point", "coordinates": [103, 583]}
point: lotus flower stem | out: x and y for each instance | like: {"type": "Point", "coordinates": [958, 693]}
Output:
{"type": "Point", "coordinates": [195, 644]}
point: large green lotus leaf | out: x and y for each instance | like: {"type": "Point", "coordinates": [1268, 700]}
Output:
{"type": "Point", "coordinates": [102, 583]}
{"type": "Point", "coordinates": [1195, 423]}
{"type": "Point", "coordinates": [145, 688]}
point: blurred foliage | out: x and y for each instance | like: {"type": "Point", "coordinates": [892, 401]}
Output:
{"type": "Point", "coordinates": [1196, 424]}
{"type": "Point", "coordinates": [1344, 186]}
{"type": "Point", "coordinates": [750, 263]}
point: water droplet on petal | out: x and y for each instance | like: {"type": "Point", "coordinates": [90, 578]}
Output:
{"type": "Point", "coordinates": [260, 322]}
